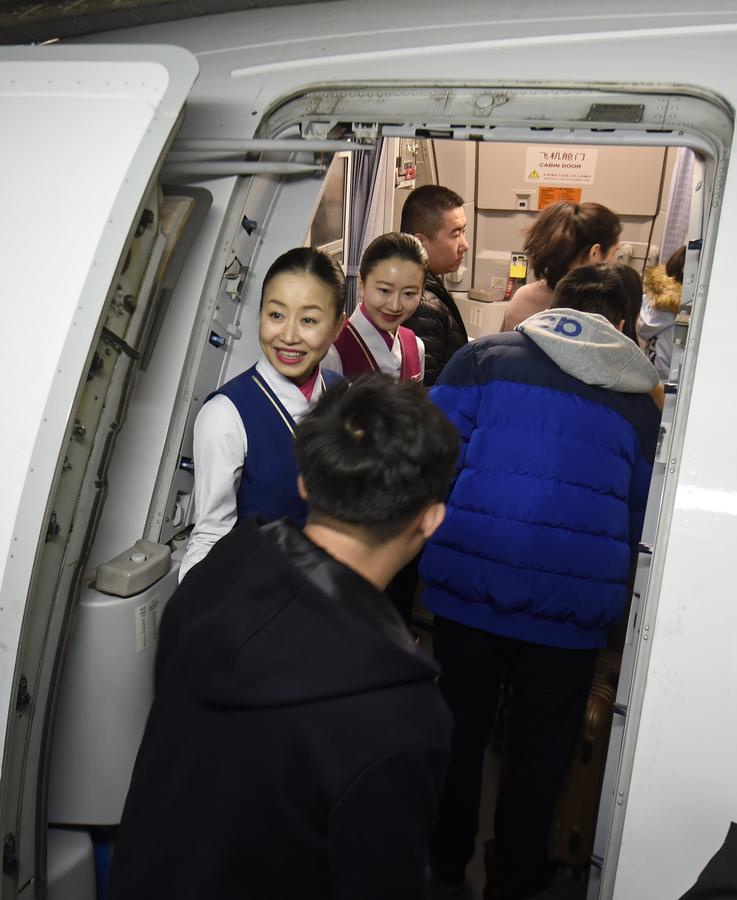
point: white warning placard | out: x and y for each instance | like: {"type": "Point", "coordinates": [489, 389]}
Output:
{"type": "Point", "coordinates": [560, 165]}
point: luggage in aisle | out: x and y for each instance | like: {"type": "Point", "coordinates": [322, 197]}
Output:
{"type": "Point", "coordinates": [572, 834]}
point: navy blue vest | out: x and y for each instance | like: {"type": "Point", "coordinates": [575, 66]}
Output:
{"type": "Point", "coordinates": [269, 479]}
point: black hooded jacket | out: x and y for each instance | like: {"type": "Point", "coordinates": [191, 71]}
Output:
{"type": "Point", "coordinates": [297, 743]}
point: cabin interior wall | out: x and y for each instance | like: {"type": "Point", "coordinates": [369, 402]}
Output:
{"type": "Point", "coordinates": [626, 179]}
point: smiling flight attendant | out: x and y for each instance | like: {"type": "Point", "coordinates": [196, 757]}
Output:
{"type": "Point", "coordinates": [243, 455]}
{"type": "Point", "coordinates": [393, 271]}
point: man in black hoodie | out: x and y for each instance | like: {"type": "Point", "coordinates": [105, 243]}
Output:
{"type": "Point", "coordinates": [297, 744]}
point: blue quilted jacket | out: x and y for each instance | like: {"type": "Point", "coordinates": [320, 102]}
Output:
{"type": "Point", "coordinates": [550, 493]}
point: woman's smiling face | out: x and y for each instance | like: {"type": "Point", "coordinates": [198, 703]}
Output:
{"type": "Point", "coordinates": [392, 292]}
{"type": "Point", "coordinates": [297, 324]}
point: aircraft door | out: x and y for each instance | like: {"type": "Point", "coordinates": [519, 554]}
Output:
{"type": "Point", "coordinates": [82, 134]}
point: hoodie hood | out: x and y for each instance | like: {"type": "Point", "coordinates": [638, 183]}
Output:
{"type": "Point", "coordinates": [588, 347]}
{"type": "Point", "coordinates": [290, 625]}
{"type": "Point", "coordinates": [663, 292]}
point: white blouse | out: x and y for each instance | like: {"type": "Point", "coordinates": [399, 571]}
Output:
{"type": "Point", "coordinates": [220, 448]}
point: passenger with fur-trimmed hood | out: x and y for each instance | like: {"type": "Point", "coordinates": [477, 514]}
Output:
{"type": "Point", "coordinates": [660, 305]}
{"type": "Point", "coordinates": [531, 565]}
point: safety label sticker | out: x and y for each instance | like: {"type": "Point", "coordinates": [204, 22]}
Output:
{"type": "Point", "coordinates": [548, 195]}
{"type": "Point", "coordinates": [147, 624]}
{"type": "Point", "coordinates": [560, 164]}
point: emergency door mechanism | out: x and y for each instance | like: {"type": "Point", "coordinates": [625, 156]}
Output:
{"type": "Point", "coordinates": [234, 276]}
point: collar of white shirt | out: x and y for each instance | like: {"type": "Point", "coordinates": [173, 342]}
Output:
{"type": "Point", "coordinates": [288, 394]}
{"type": "Point", "coordinates": [389, 361]}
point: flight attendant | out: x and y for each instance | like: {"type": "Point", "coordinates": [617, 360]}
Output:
{"type": "Point", "coordinates": [393, 271]}
{"type": "Point", "coordinates": [243, 435]}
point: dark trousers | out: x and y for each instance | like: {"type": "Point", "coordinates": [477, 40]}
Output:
{"type": "Point", "coordinates": [549, 689]}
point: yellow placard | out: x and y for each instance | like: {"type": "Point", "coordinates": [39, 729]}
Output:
{"type": "Point", "coordinates": [517, 271]}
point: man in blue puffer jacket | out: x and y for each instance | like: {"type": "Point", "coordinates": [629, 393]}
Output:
{"type": "Point", "coordinates": [531, 566]}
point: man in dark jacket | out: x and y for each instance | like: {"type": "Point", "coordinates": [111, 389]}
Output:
{"type": "Point", "coordinates": [532, 563]}
{"type": "Point", "coordinates": [298, 742]}
{"type": "Point", "coordinates": [435, 215]}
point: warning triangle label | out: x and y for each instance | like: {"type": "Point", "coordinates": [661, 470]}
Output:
{"type": "Point", "coordinates": [533, 174]}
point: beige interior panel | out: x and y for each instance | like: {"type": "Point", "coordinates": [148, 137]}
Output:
{"type": "Point", "coordinates": [626, 179]}
{"type": "Point", "coordinates": [504, 230]}
{"type": "Point", "coordinates": [456, 166]}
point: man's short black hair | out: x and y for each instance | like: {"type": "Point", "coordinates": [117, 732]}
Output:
{"type": "Point", "coordinates": [593, 289]}
{"type": "Point", "coordinates": [374, 453]}
{"type": "Point", "coordinates": [423, 212]}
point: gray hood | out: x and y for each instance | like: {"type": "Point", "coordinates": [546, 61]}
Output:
{"type": "Point", "coordinates": [591, 349]}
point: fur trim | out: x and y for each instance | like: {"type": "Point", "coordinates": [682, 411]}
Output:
{"type": "Point", "coordinates": [664, 292]}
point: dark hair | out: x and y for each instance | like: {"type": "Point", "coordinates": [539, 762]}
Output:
{"type": "Point", "coordinates": [632, 284]}
{"type": "Point", "coordinates": [563, 232]}
{"type": "Point", "coordinates": [309, 261]}
{"type": "Point", "coordinates": [675, 264]}
{"type": "Point", "coordinates": [424, 209]}
{"type": "Point", "coordinates": [593, 289]}
{"type": "Point", "coordinates": [373, 453]}
{"type": "Point", "coordinates": [393, 246]}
